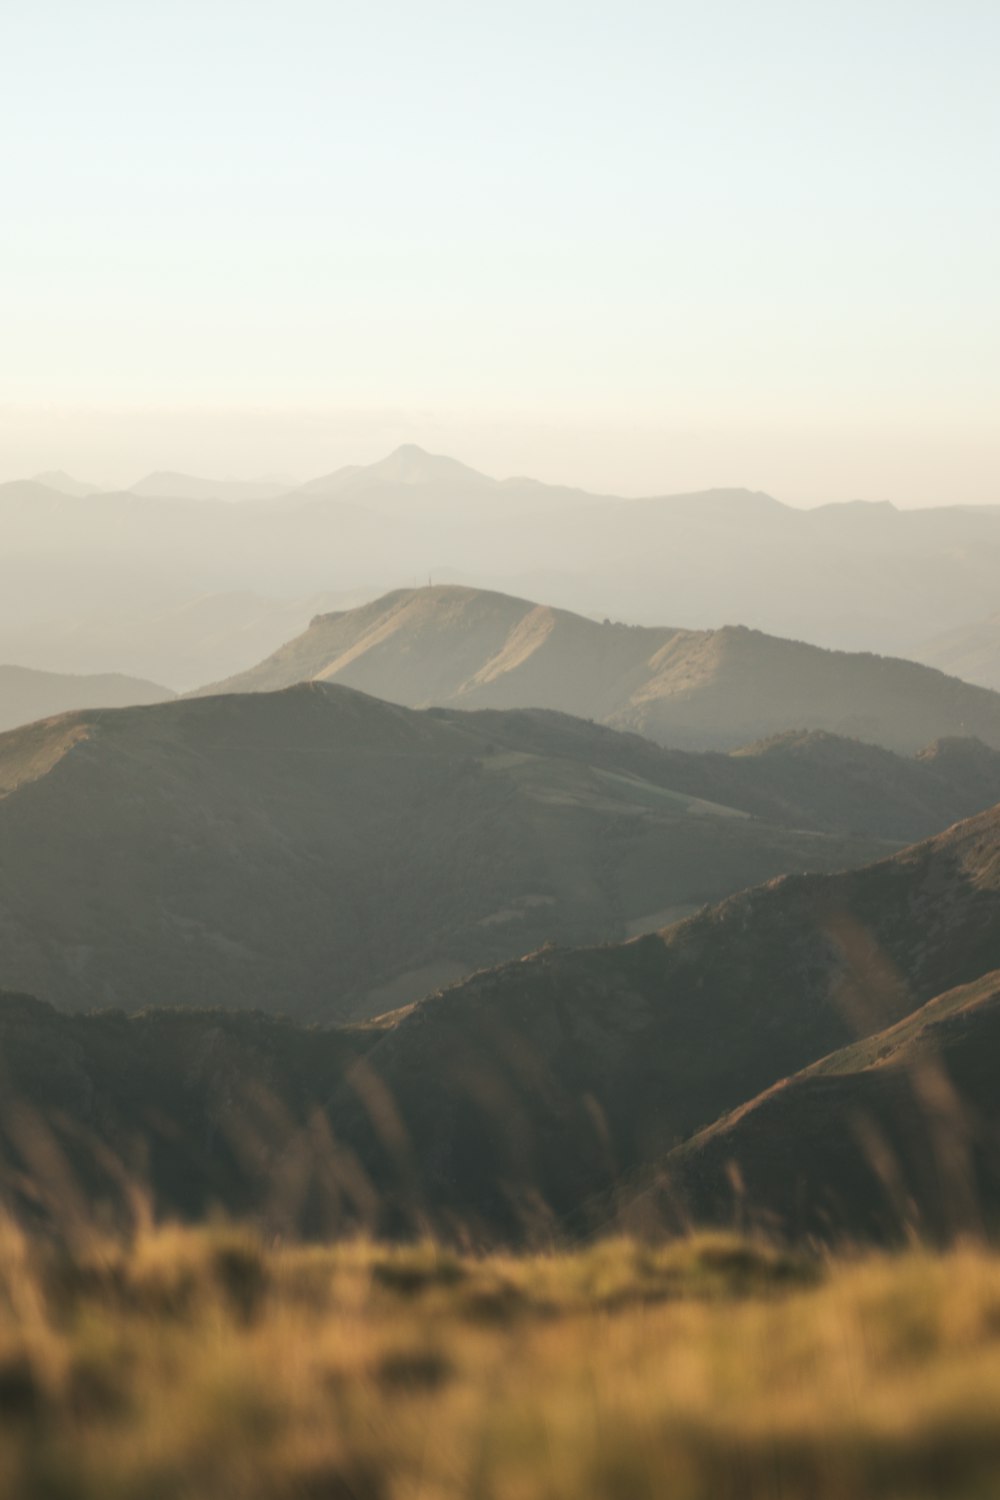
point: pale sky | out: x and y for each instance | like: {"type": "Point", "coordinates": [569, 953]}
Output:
{"type": "Point", "coordinates": [637, 246]}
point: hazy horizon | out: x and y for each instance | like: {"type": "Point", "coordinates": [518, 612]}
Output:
{"type": "Point", "coordinates": [647, 251]}
{"type": "Point", "coordinates": [598, 475]}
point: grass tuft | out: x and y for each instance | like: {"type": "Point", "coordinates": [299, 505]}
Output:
{"type": "Point", "coordinates": [198, 1365]}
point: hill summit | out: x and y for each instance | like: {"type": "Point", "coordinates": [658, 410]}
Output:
{"type": "Point", "coordinates": [700, 689]}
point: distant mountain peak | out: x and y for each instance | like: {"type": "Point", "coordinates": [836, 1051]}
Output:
{"type": "Point", "coordinates": [411, 464]}
{"type": "Point", "coordinates": [65, 484]}
{"type": "Point", "coordinates": [169, 484]}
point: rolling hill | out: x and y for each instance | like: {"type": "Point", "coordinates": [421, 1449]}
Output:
{"type": "Point", "coordinates": [892, 1137]}
{"type": "Point", "coordinates": [818, 1054]}
{"type": "Point", "coordinates": [26, 695]}
{"type": "Point", "coordinates": [691, 689]}
{"type": "Point", "coordinates": [325, 853]}
{"type": "Point", "coordinates": [555, 1078]}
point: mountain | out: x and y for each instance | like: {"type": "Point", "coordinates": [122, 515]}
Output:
{"type": "Point", "coordinates": [58, 479]}
{"type": "Point", "coordinates": [164, 485]}
{"type": "Point", "coordinates": [971, 652]}
{"type": "Point", "coordinates": [322, 852]}
{"type": "Point", "coordinates": [889, 1138]}
{"type": "Point", "coordinates": [696, 689]}
{"type": "Point", "coordinates": [852, 576]}
{"type": "Point", "coordinates": [532, 1090]}
{"type": "Point", "coordinates": [818, 1054]}
{"type": "Point", "coordinates": [179, 641]}
{"type": "Point", "coordinates": [411, 481]}
{"type": "Point", "coordinates": [406, 465]}
{"type": "Point", "coordinates": [26, 695]}
{"type": "Point", "coordinates": [199, 1110]}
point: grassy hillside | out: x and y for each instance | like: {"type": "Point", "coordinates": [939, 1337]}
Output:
{"type": "Point", "coordinates": [516, 1104]}
{"type": "Point", "coordinates": [206, 1366]}
{"type": "Point", "coordinates": [713, 689]}
{"type": "Point", "coordinates": [320, 852]}
{"type": "Point", "coordinates": [888, 1138]}
{"type": "Point", "coordinates": [26, 695]}
{"type": "Point", "coordinates": [188, 1112]}
{"type": "Point", "coordinates": [556, 1075]}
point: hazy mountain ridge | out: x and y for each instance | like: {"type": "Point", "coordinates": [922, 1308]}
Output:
{"type": "Point", "coordinates": [179, 641]}
{"type": "Point", "coordinates": [689, 689]}
{"type": "Point", "coordinates": [333, 854]}
{"type": "Point", "coordinates": [971, 652]}
{"type": "Point", "coordinates": [26, 695]}
{"type": "Point", "coordinates": [167, 485]}
{"type": "Point", "coordinates": [857, 576]}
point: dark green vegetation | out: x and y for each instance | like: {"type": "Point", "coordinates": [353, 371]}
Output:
{"type": "Point", "coordinates": [26, 695]}
{"type": "Point", "coordinates": [714, 689]}
{"type": "Point", "coordinates": [320, 852]}
{"type": "Point", "coordinates": [535, 1099]}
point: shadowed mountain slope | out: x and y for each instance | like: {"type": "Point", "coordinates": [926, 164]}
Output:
{"type": "Point", "coordinates": [691, 689]}
{"type": "Point", "coordinates": [556, 1076]}
{"type": "Point", "coordinates": [522, 1101]}
{"type": "Point", "coordinates": [26, 695]}
{"type": "Point", "coordinates": [325, 853]}
{"type": "Point", "coordinates": [891, 1137]}
{"type": "Point", "coordinates": [194, 1110]}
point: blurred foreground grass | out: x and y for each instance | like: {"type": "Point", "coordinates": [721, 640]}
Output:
{"type": "Point", "coordinates": [199, 1365]}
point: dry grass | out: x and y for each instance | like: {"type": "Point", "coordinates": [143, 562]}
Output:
{"type": "Point", "coordinates": [199, 1365]}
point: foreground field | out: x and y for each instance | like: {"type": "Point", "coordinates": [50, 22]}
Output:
{"type": "Point", "coordinates": [200, 1365]}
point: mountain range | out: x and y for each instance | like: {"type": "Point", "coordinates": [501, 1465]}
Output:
{"type": "Point", "coordinates": [26, 695]}
{"type": "Point", "coordinates": [321, 852]}
{"type": "Point", "coordinates": [816, 1054]}
{"type": "Point", "coordinates": [462, 914]}
{"type": "Point", "coordinates": [695, 689]}
{"type": "Point", "coordinates": [971, 652]}
{"type": "Point", "coordinates": [180, 640]}
{"type": "Point", "coordinates": [854, 576]}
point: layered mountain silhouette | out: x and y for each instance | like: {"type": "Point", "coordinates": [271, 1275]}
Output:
{"type": "Point", "coordinates": [166, 485]}
{"type": "Point", "coordinates": [698, 689]}
{"type": "Point", "coordinates": [855, 576]}
{"type": "Point", "coordinates": [889, 1138]}
{"type": "Point", "coordinates": [557, 1077]}
{"type": "Point", "coordinates": [971, 652]}
{"type": "Point", "coordinates": [325, 853]}
{"type": "Point", "coordinates": [817, 1053]}
{"type": "Point", "coordinates": [412, 481]}
{"type": "Point", "coordinates": [65, 484]}
{"type": "Point", "coordinates": [179, 641]}
{"type": "Point", "coordinates": [26, 695]}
